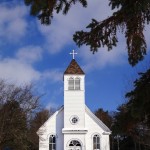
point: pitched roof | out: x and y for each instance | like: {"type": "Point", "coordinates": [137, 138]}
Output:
{"type": "Point", "coordinates": [73, 68]}
{"type": "Point", "coordinates": [40, 130]}
{"type": "Point", "coordinates": [98, 121]}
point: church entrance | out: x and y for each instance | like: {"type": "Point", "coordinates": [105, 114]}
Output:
{"type": "Point", "coordinates": [74, 145]}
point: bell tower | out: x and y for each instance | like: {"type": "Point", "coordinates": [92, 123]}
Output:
{"type": "Point", "coordinates": [74, 96]}
{"type": "Point", "coordinates": [74, 105]}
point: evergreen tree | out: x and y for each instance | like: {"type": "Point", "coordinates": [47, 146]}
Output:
{"type": "Point", "coordinates": [139, 98]}
{"type": "Point", "coordinates": [132, 120]}
{"type": "Point", "coordinates": [130, 17]}
{"type": "Point", "coordinates": [44, 9]}
{"type": "Point", "coordinates": [104, 116]}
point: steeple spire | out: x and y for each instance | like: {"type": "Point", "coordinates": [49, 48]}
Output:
{"type": "Point", "coordinates": [74, 68]}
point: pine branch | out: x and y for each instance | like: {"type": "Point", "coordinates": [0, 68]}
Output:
{"type": "Point", "coordinates": [103, 33]}
{"type": "Point", "coordinates": [44, 9]}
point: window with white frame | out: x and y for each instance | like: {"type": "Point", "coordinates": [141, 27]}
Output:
{"type": "Point", "coordinates": [74, 84]}
{"type": "Point", "coordinates": [96, 142]}
{"type": "Point", "coordinates": [77, 84]}
{"type": "Point", "coordinates": [71, 84]}
{"type": "Point", "coordinates": [52, 142]}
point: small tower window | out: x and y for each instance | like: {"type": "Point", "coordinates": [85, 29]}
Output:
{"type": "Point", "coordinates": [74, 120]}
{"type": "Point", "coordinates": [52, 142]}
{"type": "Point", "coordinates": [96, 142]}
{"type": "Point", "coordinates": [77, 84]}
{"type": "Point", "coordinates": [71, 84]}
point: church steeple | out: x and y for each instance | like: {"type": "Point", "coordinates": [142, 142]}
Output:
{"type": "Point", "coordinates": [74, 96]}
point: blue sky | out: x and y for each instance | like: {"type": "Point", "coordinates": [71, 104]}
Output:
{"type": "Point", "coordinates": [33, 53]}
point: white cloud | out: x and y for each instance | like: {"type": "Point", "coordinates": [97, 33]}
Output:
{"type": "Point", "coordinates": [50, 106]}
{"type": "Point", "coordinates": [30, 54]}
{"type": "Point", "coordinates": [13, 25]}
{"type": "Point", "coordinates": [102, 58]}
{"type": "Point", "coordinates": [59, 33]}
{"type": "Point", "coordinates": [53, 75]}
{"type": "Point", "coordinates": [147, 36]}
{"type": "Point", "coordinates": [20, 69]}
{"type": "Point", "coordinates": [18, 72]}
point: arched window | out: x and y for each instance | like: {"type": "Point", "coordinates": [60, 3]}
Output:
{"type": "Point", "coordinates": [96, 142]}
{"type": "Point", "coordinates": [74, 143]}
{"type": "Point", "coordinates": [71, 84]}
{"type": "Point", "coordinates": [52, 142]}
{"type": "Point", "coordinates": [77, 84]}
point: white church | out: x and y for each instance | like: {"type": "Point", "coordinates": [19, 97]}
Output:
{"type": "Point", "coordinates": [74, 126]}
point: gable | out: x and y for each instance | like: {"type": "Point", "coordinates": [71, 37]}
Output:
{"type": "Point", "coordinates": [97, 121]}
{"type": "Point", "coordinates": [51, 121]}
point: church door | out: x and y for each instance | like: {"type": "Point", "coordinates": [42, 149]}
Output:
{"type": "Point", "coordinates": [74, 145]}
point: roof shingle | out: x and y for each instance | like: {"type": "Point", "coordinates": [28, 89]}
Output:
{"type": "Point", "coordinates": [73, 68]}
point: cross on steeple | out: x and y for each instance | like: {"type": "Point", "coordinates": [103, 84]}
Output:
{"type": "Point", "coordinates": [73, 53]}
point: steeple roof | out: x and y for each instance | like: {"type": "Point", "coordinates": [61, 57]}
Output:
{"type": "Point", "coordinates": [73, 68]}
